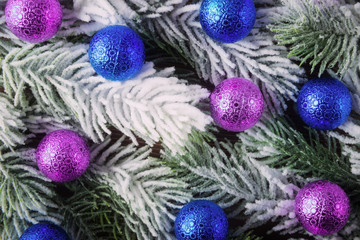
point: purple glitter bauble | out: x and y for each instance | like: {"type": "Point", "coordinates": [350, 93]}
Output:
{"type": "Point", "coordinates": [322, 207]}
{"type": "Point", "coordinates": [33, 20]}
{"type": "Point", "coordinates": [63, 155]}
{"type": "Point", "coordinates": [236, 104]}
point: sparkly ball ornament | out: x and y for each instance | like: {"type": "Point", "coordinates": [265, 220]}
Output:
{"type": "Point", "coordinates": [322, 207]}
{"type": "Point", "coordinates": [324, 103]}
{"type": "Point", "coordinates": [63, 155]}
{"type": "Point", "coordinates": [201, 219]}
{"type": "Point", "coordinates": [44, 231]}
{"type": "Point", "coordinates": [33, 20]}
{"type": "Point", "coordinates": [117, 52]}
{"type": "Point", "coordinates": [236, 104]}
{"type": "Point", "coordinates": [227, 21]}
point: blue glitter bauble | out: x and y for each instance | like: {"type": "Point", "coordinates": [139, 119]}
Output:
{"type": "Point", "coordinates": [201, 219]}
{"type": "Point", "coordinates": [227, 21]}
{"type": "Point", "coordinates": [44, 231]}
{"type": "Point", "coordinates": [117, 52]}
{"type": "Point", "coordinates": [324, 103]}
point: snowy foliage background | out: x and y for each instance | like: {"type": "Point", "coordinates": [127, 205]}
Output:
{"type": "Point", "coordinates": [133, 190]}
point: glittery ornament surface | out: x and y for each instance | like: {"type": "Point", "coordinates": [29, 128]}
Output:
{"type": "Point", "coordinates": [33, 20]}
{"type": "Point", "coordinates": [236, 104]}
{"type": "Point", "coordinates": [227, 20]}
{"type": "Point", "coordinates": [201, 219]}
{"type": "Point", "coordinates": [324, 103]}
{"type": "Point", "coordinates": [117, 52]}
{"type": "Point", "coordinates": [44, 231]}
{"type": "Point", "coordinates": [63, 155]}
{"type": "Point", "coordinates": [322, 207]}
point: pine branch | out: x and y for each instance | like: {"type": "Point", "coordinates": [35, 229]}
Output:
{"type": "Point", "coordinates": [95, 211]}
{"type": "Point", "coordinates": [89, 16]}
{"type": "Point", "coordinates": [320, 33]}
{"type": "Point", "coordinates": [11, 126]}
{"type": "Point", "coordinates": [153, 105]}
{"type": "Point", "coordinates": [279, 145]}
{"type": "Point", "coordinates": [149, 189]}
{"type": "Point", "coordinates": [178, 30]}
{"type": "Point", "coordinates": [254, 57]}
{"type": "Point", "coordinates": [26, 195]}
{"type": "Point", "coordinates": [37, 122]}
{"type": "Point", "coordinates": [349, 134]}
{"type": "Point", "coordinates": [246, 189]}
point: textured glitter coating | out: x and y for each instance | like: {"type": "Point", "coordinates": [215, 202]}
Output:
{"type": "Point", "coordinates": [324, 103]}
{"type": "Point", "coordinates": [201, 219]}
{"type": "Point", "coordinates": [44, 231]}
{"type": "Point", "coordinates": [227, 21]}
{"type": "Point", "coordinates": [236, 104]}
{"type": "Point", "coordinates": [63, 155]}
{"type": "Point", "coordinates": [117, 52]}
{"type": "Point", "coordinates": [33, 20]}
{"type": "Point", "coordinates": [322, 207]}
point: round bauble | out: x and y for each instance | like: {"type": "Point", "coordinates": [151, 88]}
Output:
{"type": "Point", "coordinates": [117, 52]}
{"type": "Point", "coordinates": [33, 20]}
{"type": "Point", "coordinates": [324, 103]}
{"type": "Point", "coordinates": [44, 231]}
{"type": "Point", "coordinates": [201, 219]}
{"type": "Point", "coordinates": [63, 155]}
{"type": "Point", "coordinates": [236, 104]}
{"type": "Point", "coordinates": [227, 21]}
{"type": "Point", "coordinates": [322, 207]}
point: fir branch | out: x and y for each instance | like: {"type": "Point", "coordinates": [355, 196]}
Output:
{"type": "Point", "coordinates": [243, 187]}
{"type": "Point", "coordinates": [279, 145]}
{"type": "Point", "coordinates": [150, 190]}
{"type": "Point", "coordinates": [349, 134]}
{"type": "Point", "coordinates": [95, 211]}
{"type": "Point", "coordinates": [37, 122]}
{"type": "Point", "coordinates": [254, 57]}
{"type": "Point", "coordinates": [320, 33]}
{"type": "Point", "coordinates": [11, 126]}
{"type": "Point", "coordinates": [153, 105]}
{"type": "Point", "coordinates": [26, 195]}
{"type": "Point", "coordinates": [89, 16]}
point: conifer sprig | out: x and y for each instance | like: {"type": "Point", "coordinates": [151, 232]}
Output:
{"type": "Point", "coordinates": [323, 33]}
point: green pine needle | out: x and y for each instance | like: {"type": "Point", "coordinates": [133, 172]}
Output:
{"type": "Point", "coordinates": [317, 156]}
{"type": "Point", "coordinates": [322, 35]}
{"type": "Point", "coordinates": [26, 196]}
{"type": "Point", "coordinates": [95, 211]}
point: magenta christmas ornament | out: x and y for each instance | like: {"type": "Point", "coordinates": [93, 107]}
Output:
{"type": "Point", "coordinates": [322, 207]}
{"type": "Point", "coordinates": [63, 155]}
{"type": "Point", "coordinates": [33, 20]}
{"type": "Point", "coordinates": [236, 104]}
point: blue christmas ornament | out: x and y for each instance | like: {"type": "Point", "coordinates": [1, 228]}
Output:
{"type": "Point", "coordinates": [117, 52]}
{"type": "Point", "coordinates": [201, 219]}
{"type": "Point", "coordinates": [227, 21]}
{"type": "Point", "coordinates": [44, 231]}
{"type": "Point", "coordinates": [324, 103]}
